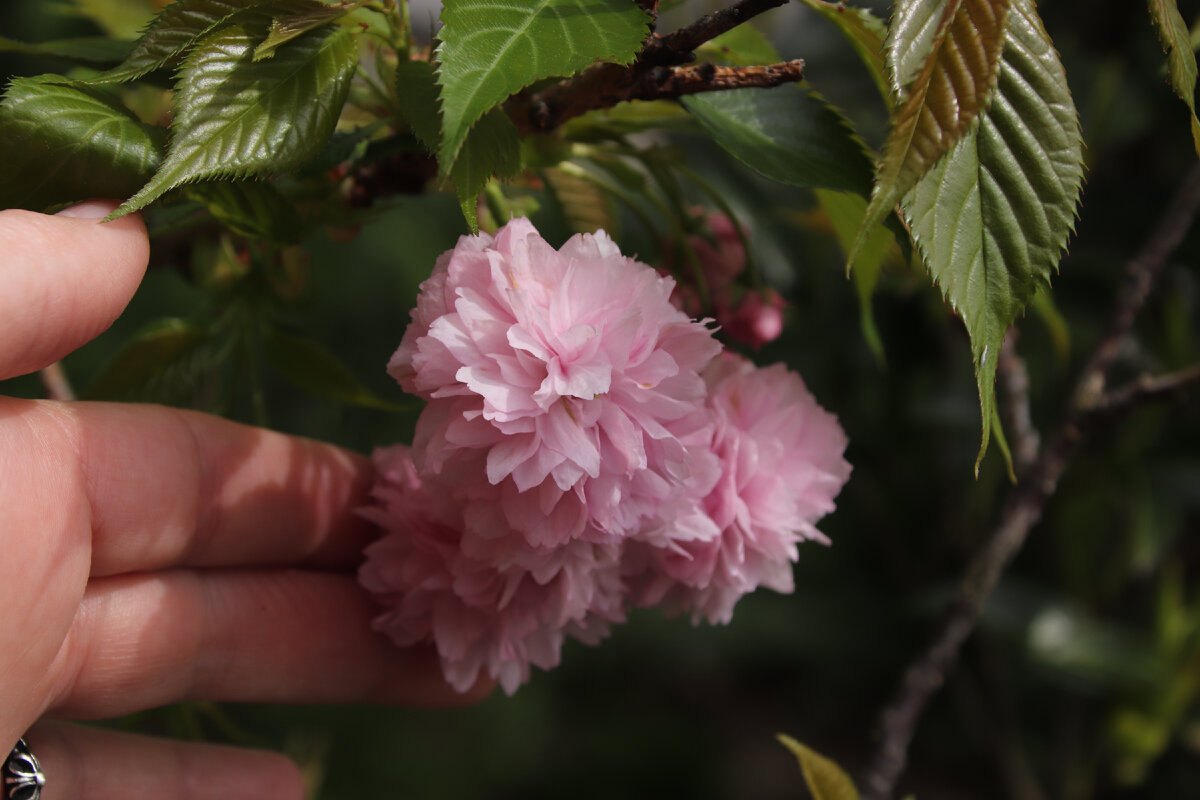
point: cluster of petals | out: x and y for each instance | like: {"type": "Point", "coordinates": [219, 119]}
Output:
{"type": "Point", "coordinates": [584, 447]}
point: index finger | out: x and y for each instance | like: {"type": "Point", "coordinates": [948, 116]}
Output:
{"type": "Point", "coordinates": [166, 487]}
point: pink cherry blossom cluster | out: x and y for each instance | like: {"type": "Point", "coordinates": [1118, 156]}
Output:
{"type": "Point", "coordinates": [585, 447]}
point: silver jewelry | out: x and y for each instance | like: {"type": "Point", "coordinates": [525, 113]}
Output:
{"type": "Point", "coordinates": [23, 778]}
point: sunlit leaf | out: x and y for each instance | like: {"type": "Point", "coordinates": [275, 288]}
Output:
{"type": "Point", "coordinates": [64, 141]}
{"type": "Point", "coordinates": [992, 218]}
{"type": "Point", "coordinates": [789, 134]}
{"type": "Point", "coordinates": [825, 779]}
{"type": "Point", "coordinates": [309, 366]}
{"type": "Point", "coordinates": [941, 101]}
{"type": "Point", "coordinates": [237, 118]}
{"type": "Point", "coordinates": [285, 28]}
{"type": "Point", "coordinates": [864, 31]}
{"type": "Point", "coordinates": [490, 50]}
{"type": "Point", "coordinates": [178, 27]}
{"type": "Point", "coordinates": [1181, 59]}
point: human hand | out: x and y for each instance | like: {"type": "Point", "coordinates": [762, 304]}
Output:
{"type": "Point", "coordinates": [150, 555]}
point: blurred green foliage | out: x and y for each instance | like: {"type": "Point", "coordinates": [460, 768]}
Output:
{"type": "Point", "coordinates": [1084, 680]}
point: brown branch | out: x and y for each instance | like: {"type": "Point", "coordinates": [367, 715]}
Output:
{"type": "Point", "coordinates": [1024, 507]}
{"type": "Point", "coordinates": [605, 85]}
{"type": "Point", "coordinates": [679, 47]}
{"type": "Point", "coordinates": [655, 74]}
{"type": "Point", "coordinates": [1018, 420]}
{"type": "Point", "coordinates": [1145, 388]}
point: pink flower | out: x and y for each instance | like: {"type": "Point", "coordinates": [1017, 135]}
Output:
{"type": "Point", "coordinates": [721, 258]}
{"type": "Point", "coordinates": [781, 467]}
{"type": "Point", "coordinates": [570, 374]}
{"type": "Point", "coordinates": [756, 320]}
{"type": "Point", "coordinates": [482, 616]}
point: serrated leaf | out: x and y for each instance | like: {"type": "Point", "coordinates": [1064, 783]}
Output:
{"type": "Point", "coordinates": [251, 208]}
{"type": "Point", "coordinates": [417, 91]}
{"type": "Point", "coordinates": [309, 366]}
{"type": "Point", "coordinates": [825, 779]}
{"type": "Point", "coordinates": [492, 148]}
{"type": "Point", "coordinates": [144, 357]}
{"type": "Point", "coordinates": [992, 217]}
{"type": "Point", "coordinates": [490, 50]}
{"type": "Point", "coordinates": [64, 142]}
{"type": "Point", "coordinates": [788, 134]}
{"type": "Point", "coordinates": [239, 118]}
{"type": "Point", "coordinates": [172, 32]}
{"type": "Point", "coordinates": [846, 211]}
{"type": "Point", "coordinates": [89, 49]}
{"type": "Point", "coordinates": [946, 95]}
{"type": "Point", "coordinates": [284, 29]}
{"type": "Point", "coordinates": [864, 31]}
{"type": "Point", "coordinates": [1181, 59]}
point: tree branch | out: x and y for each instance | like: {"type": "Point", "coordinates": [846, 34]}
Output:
{"type": "Point", "coordinates": [679, 47]}
{"type": "Point", "coordinates": [605, 85]}
{"type": "Point", "coordinates": [1024, 507]}
{"type": "Point", "coordinates": [1145, 388]}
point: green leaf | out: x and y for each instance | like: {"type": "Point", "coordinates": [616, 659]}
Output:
{"type": "Point", "coordinates": [309, 366]}
{"type": "Point", "coordinates": [1181, 59]}
{"type": "Point", "coordinates": [865, 32]}
{"type": "Point", "coordinates": [744, 45]}
{"type": "Point", "coordinates": [490, 50]}
{"type": "Point", "coordinates": [992, 218]}
{"type": "Point", "coordinates": [284, 29]}
{"type": "Point", "coordinates": [120, 18]}
{"type": "Point", "coordinates": [789, 134]}
{"type": "Point", "coordinates": [493, 147]}
{"type": "Point", "coordinates": [952, 74]}
{"type": "Point", "coordinates": [846, 211]}
{"type": "Point", "coordinates": [90, 49]}
{"type": "Point", "coordinates": [825, 779]}
{"type": "Point", "coordinates": [416, 89]}
{"type": "Point", "coordinates": [236, 118]}
{"type": "Point", "coordinates": [146, 356]}
{"type": "Point", "coordinates": [173, 32]}
{"type": "Point", "coordinates": [251, 208]}
{"type": "Point", "coordinates": [64, 141]}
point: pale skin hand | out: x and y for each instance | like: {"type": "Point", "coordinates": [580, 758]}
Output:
{"type": "Point", "coordinates": [150, 555]}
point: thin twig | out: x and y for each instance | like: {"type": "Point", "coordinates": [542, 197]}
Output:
{"type": "Point", "coordinates": [679, 47]}
{"type": "Point", "coordinates": [1013, 378]}
{"type": "Point", "coordinates": [1024, 507]}
{"type": "Point", "coordinates": [1145, 388]}
{"type": "Point", "coordinates": [56, 383]}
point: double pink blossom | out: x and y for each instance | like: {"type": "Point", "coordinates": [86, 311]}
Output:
{"type": "Point", "coordinates": [580, 451]}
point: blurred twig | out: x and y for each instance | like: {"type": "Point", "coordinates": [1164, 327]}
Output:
{"type": "Point", "coordinates": [1023, 508]}
{"type": "Point", "coordinates": [56, 383]}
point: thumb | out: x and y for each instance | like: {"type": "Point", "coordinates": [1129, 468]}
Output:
{"type": "Point", "coordinates": [66, 278]}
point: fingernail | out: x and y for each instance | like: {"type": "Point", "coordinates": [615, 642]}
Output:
{"type": "Point", "coordinates": [89, 209]}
